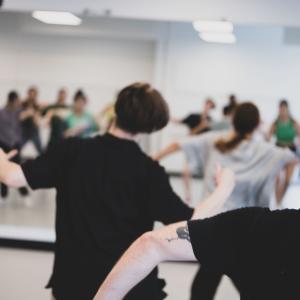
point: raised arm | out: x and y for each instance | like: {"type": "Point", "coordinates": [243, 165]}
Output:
{"type": "Point", "coordinates": [169, 243]}
{"type": "Point", "coordinates": [212, 205]}
{"type": "Point", "coordinates": [11, 173]}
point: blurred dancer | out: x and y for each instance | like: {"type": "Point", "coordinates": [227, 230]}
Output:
{"type": "Point", "coordinates": [199, 122]}
{"type": "Point", "coordinates": [10, 133]}
{"type": "Point", "coordinates": [228, 112]}
{"type": "Point", "coordinates": [256, 165]}
{"type": "Point", "coordinates": [80, 123]}
{"type": "Point", "coordinates": [30, 120]}
{"type": "Point", "coordinates": [55, 116]}
{"type": "Point", "coordinates": [285, 129]}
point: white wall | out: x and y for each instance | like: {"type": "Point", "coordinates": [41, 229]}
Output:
{"type": "Point", "coordinates": [260, 67]}
{"type": "Point", "coordinates": [95, 57]}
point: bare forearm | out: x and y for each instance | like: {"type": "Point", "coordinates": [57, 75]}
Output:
{"type": "Point", "coordinates": [168, 243]}
{"type": "Point", "coordinates": [211, 205]}
{"type": "Point", "coordinates": [137, 262]}
{"type": "Point", "coordinates": [167, 151]}
{"type": "Point", "coordinates": [11, 174]}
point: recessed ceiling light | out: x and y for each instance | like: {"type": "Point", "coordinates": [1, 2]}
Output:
{"type": "Point", "coordinates": [226, 38]}
{"type": "Point", "coordinates": [213, 26]}
{"type": "Point", "coordinates": [57, 18]}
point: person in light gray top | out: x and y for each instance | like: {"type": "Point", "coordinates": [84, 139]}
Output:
{"type": "Point", "coordinates": [255, 163]}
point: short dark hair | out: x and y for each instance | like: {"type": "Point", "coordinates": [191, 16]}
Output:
{"type": "Point", "coordinates": [140, 108]}
{"type": "Point", "coordinates": [283, 102]}
{"type": "Point", "coordinates": [12, 97]}
{"type": "Point", "coordinates": [80, 95]}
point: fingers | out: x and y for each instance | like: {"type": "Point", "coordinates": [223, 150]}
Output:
{"type": "Point", "coordinates": [11, 154]}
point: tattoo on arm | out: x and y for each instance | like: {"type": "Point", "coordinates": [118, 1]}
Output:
{"type": "Point", "coordinates": [182, 234]}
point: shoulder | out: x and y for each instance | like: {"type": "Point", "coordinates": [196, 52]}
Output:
{"type": "Point", "coordinates": [152, 166]}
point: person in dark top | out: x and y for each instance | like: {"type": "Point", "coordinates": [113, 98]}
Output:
{"type": "Point", "coordinates": [10, 133]}
{"type": "Point", "coordinates": [55, 116]}
{"type": "Point", "coordinates": [199, 122]}
{"type": "Point", "coordinates": [30, 120]}
{"type": "Point", "coordinates": [255, 247]}
{"type": "Point", "coordinates": [108, 193]}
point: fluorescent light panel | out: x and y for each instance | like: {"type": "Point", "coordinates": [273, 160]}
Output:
{"type": "Point", "coordinates": [213, 26]}
{"type": "Point", "coordinates": [225, 38]}
{"type": "Point", "coordinates": [57, 18]}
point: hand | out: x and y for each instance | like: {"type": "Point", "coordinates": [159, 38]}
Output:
{"type": "Point", "coordinates": [7, 156]}
{"type": "Point", "coordinates": [225, 179]}
{"type": "Point", "coordinates": [155, 157]}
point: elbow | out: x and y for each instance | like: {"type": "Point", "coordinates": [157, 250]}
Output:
{"type": "Point", "coordinates": [151, 245]}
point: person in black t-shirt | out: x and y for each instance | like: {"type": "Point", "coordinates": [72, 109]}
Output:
{"type": "Point", "coordinates": [256, 247]}
{"type": "Point", "coordinates": [199, 122]}
{"type": "Point", "coordinates": [108, 193]}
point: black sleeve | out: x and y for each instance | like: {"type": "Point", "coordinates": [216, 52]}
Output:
{"type": "Point", "coordinates": [163, 203]}
{"type": "Point", "coordinates": [217, 241]}
{"type": "Point", "coordinates": [46, 170]}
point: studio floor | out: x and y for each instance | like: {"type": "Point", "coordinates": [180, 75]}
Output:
{"type": "Point", "coordinates": [24, 273]}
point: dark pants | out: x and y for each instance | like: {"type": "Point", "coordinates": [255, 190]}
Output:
{"type": "Point", "coordinates": [205, 285]}
{"type": "Point", "coordinates": [34, 137]}
{"type": "Point", "coordinates": [17, 159]}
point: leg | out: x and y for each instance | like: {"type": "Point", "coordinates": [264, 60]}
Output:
{"type": "Point", "coordinates": [278, 189]}
{"type": "Point", "coordinates": [37, 142]}
{"type": "Point", "coordinates": [3, 187]}
{"type": "Point", "coordinates": [205, 285]}
{"type": "Point", "coordinates": [17, 159]}
{"type": "Point", "coordinates": [283, 184]}
{"type": "Point", "coordinates": [4, 190]}
{"type": "Point", "coordinates": [187, 183]}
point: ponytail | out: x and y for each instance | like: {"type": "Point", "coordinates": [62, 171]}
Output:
{"type": "Point", "coordinates": [226, 146]}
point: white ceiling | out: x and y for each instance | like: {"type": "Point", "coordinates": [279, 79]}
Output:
{"type": "Point", "coordinates": [270, 12]}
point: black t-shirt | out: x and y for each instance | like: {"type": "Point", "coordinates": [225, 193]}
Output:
{"type": "Point", "coordinates": [258, 248]}
{"type": "Point", "coordinates": [193, 120]}
{"type": "Point", "coordinates": [108, 193]}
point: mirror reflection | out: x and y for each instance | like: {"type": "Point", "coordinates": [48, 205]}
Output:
{"type": "Point", "coordinates": [200, 97]}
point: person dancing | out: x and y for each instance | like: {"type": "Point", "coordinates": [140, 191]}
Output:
{"type": "Point", "coordinates": [256, 164]}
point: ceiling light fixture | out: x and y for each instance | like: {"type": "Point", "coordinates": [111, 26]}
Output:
{"type": "Point", "coordinates": [213, 26]}
{"type": "Point", "coordinates": [57, 18]}
{"type": "Point", "coordinates": [225, 38]}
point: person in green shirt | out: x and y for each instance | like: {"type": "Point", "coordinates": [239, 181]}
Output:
{"type": "Point", "coordinates": [285, 129]}
{"type": "Point", "coordinates": [80, 123]}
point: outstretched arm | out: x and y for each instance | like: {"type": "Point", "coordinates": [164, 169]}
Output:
{"type": "Point", "coordinates": [212, 205]}
{"type": "Point", "coordinates": [11, 173]}
{"type": "Point", "coordinates": [169, 243]}
{"type": "Point", "coordinates": [167, 151]}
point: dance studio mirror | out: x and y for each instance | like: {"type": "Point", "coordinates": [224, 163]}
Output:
{"type": "Point", "coordinates": [258, 63]}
